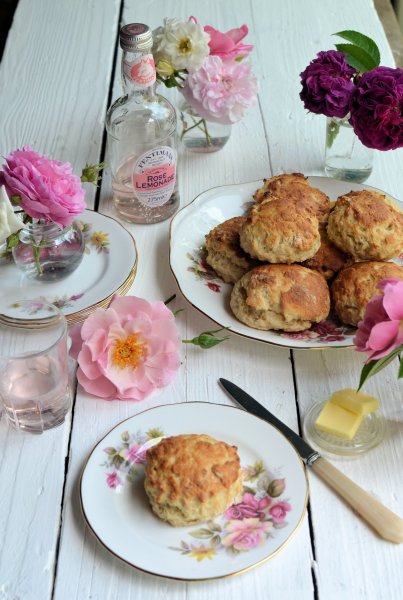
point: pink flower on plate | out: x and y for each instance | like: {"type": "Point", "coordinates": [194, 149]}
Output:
{"type": "Point", "coordinates": [381, 330]}
{"type": "Point", "coordinates": [113, 480]}
{"type": "Point", "coordinates": [221, 90]}
{"type": "Point", "coordinates": [135, 453]}
{"type": "Point", "coordinates": [278, 511]}
{"type": "Point", "coordinates": [246, 534]}
{"type": "Point", "coordinates": [127, 350]}
{"type": "Point", "coordinates": [228, 45]}
{"type": "Point", "coordinates": [249, 507]}
{"type": "Point", "coordinates": [214, 287]}
{"type": "Point", "coordinates": [47, 188]}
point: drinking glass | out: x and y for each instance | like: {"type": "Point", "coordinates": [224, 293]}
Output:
{"type": "Point", "coordinates": [34, 387]}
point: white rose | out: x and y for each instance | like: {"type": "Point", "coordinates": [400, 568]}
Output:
{"type": "Point", "coordinates": [9, 222]}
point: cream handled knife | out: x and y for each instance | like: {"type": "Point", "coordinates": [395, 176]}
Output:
{"type": "Point", "coordinates": [384, 521]}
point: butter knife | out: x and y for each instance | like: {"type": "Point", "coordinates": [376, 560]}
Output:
{"type": "Point", "coordinates": [386, 523]}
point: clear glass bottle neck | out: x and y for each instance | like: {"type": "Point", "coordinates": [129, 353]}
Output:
{"type": "Point", "coordinates": [138, 73]}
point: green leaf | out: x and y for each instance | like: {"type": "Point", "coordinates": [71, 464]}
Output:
{"type": "Point", "coordinates": [400, 371]}
{"type": "Point", "coordinates": [202, 534]}
{"type": "Point", "coordinates": [214, 526]}
{"type": "Point", "coordinates": [332, 131]}
{"type": "Point", "coordinates": [356, 57]}
{"type": "Point", "coordinates": [374, 366]}
{"type": "Point", "coordinates": [364, 43]}
{"type": "Point", "coordinates": [13, 241]}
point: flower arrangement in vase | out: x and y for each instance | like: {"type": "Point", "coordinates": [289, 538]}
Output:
{"type": "Point", "coordinates": [361, 100]}
{"type": "Point", "coordinates": [208, 68]}
{"type": "Point", "coordinates": [40, 198]}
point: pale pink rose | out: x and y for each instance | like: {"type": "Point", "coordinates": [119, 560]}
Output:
{"type": "Point", "coordinates": [113, 480]}
{"type": "Point", "coordinates": [135, 453]}
{"type": "Point", "coordinates": [127, 350]}
{"type": "Point", "coordinates": [249, 507]}
{"type": "Point", "coordinates": [246, 534]}
{"type": "Point", "coordinates": [381, 330]}
{"type": "Point", "coordinates": [278, 511]}
{"type": "Point", "coordinates": [221, 90]}
{"type": "Point", "coordinates": [47, 188]}
{"type": "Point", "coordinates": [228, 45]}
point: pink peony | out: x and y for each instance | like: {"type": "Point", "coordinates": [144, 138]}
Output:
{"type": "Point", "coordinates": [381, 330]}
{"type": "Point", "coordinates": [249, 507]}
{"type": "Point", "coordinates": [127, 350]}
{"type": "Point", "coordinates": [221, 90]}
{"type": "Point", "coordinates": [47, 188]}
{"type": "Point", "coordinates": [278, 511]}
{"type": "Point", "coordinates": [228, 45]}
{"type": "Point", "coordinates": [246, 534]}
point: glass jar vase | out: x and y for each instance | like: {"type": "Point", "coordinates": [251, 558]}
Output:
{"type": "Point", "coordinates": [346, 157]}
{"type": "Point", "coordinates": [48, 253]}
{"type": "Point", "coordinates": [198, 134]}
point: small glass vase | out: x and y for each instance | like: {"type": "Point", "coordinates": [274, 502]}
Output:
{"type": "Point", "coordinates": [198, 134]}
{"type": "Point", "coordinates": [346, 157]}
{"type": "Point", "coordinates": [48, 253]}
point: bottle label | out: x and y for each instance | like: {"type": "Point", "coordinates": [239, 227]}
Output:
{"type": "Point", "coordinates": [141, 71]}
{"type": "Point", "coordinates": [154, 176]}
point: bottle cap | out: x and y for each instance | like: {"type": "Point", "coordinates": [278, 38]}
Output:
{"type": "Point", "coordinates": [136, 36]}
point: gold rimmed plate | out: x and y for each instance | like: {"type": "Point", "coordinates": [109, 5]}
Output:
{"type": "Point", "coordinates": [108, 267]}
{"type": "Point", "coordinates": [257, 527]}
{"type": "Point", "coordinates": [210, 295]}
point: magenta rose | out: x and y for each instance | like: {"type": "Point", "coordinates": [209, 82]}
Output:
{"type": "Point", "coordinates": [376, 109]}
{"type": "Point", "coordinates": [381, 330]}
{"type": "Point", "coordinates": [327, 84]}
{"type": "Point", "coordinates": [278, 511]}
{"type": "Point", "coordinates": [47, 188]}
{"type": "Point", "coordinates": [228, 45]}
{"type": "Point", "coordinates": [248, 508]}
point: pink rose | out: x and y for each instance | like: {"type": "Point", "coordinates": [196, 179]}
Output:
{"type": "Point", "coordinates": [228, 45]}
{"type": "Point", "coordinates": [127, 350]}
{"type": "Point", "coordinates": [135, 453]}
{"type": "Point", "coordinates": [278, 511]}
{"type": "Point", "coordinates": [47, 188]}
{"type": "Point", "coordinates": [246, 534]}
{"type": "Point", "coordinates": [381, 330]}
{"type": "Point", "coordinates": [221, 90]}
{"type": "Point", "coordinates": [113, 480]}
{"type": "Point", "coordinates": [249, 507]}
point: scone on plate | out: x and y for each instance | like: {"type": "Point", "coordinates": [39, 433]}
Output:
{"type": "Point", "coordinates": [192, 478]}
{"type": "Point", "coordinates": [279, 231]}
{"type": "Point", "coordinates": [329, 259]}
{"type": "Point", "coordinates": [224, 252]}
{"type": "Point", "coordinates": [296, 188]}
{"type": "Point", "coordinates": [286, 297]}
{"type": "Point", "coordinates": [366, 225]}
{"type": "Point", "coordinates": [355, 285]}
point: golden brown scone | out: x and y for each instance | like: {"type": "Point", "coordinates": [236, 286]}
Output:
{"type": "Point", "coordinates": [296, 188]}
{"type": "Point", "coordinates": [280, 231]}
{"type": "Point", "coordinates": [355, 285]}
{"type": "Point", "coordinates": [287, 297]}
{"type": "Point", "coordinates": [329, 259]}
{"type": "Point", "coordinates": [224, 252]}
{"type": "Point", "coordinates": [366, 225]}
{"type": "Point", "coordinates": [192, 478]}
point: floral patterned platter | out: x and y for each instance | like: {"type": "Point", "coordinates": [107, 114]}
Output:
{"type": "Point", "coordinates": [109, 266]}
{"type": "Point", "coordinates": [209, 294]}
{"type": "Point", "coordinates": [250, 532]}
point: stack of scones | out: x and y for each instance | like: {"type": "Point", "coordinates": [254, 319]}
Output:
{"type": "Point", "coordinates": [297, 253]}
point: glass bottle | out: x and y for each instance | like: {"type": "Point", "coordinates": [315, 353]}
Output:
{"type": "Point", "coordinates": [142, 137]}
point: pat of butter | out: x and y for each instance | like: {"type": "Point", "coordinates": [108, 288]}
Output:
{"type": "Point", "coordinates": [356, 402]}
{"type": "Point", "coordinates": [338, 421]}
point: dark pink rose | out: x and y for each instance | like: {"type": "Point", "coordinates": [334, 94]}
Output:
{"type": "Point", "coordinates": [327, 84]}
{"type": "Point", "coordinates": [248, 508]}
{"type": "Point", "coordinates": [278, 511]}
{"type": "Point", "coordinates": [113, 480]}
{"type": "Point", "coordinates": [228, 45]}
{"type": "Point", "coordinates": [47, 188]}
{"type": "Point", "coordinates": [376, 109]}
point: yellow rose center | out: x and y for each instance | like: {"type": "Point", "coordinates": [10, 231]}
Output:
{"type": "Point", "coordinates": [185, 45]}
{"type": "Point", "coordinates": [129, 352]}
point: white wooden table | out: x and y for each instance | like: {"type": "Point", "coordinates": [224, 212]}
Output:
{"type": "Point", "coordinates": [59, 72]}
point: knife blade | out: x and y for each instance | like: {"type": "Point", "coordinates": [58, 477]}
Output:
{"type": "Point", "coordinates": [385, 522]}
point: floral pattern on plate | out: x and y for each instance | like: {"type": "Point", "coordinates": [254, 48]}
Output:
{"type": "Point", "coordinates": [99, 240]}
{"type": "Point", "coordinates": [202, 269]}
{"type": "Point", "coordinates": [32, 307]}
{"type": "Point", "coordinates": [325, 332]}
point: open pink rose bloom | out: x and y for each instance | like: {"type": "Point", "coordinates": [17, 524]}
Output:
{"type": "Point", "coordinates": [127, 350]}
{"type": "Point", "coordinates": [381, 330]}
{"type": "Point", "coordinates": [228, 45]}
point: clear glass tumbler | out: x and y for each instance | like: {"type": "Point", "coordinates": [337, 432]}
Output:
{"type": "Point", "coordinates": [34, 387]}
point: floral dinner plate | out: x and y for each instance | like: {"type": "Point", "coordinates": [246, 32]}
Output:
{"type": "Point", "coordinates": [209, 294]}
{"type": "Point", "coordinates": [108, 267]}
{"type": "Point", "coordinates": [250, 532]}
